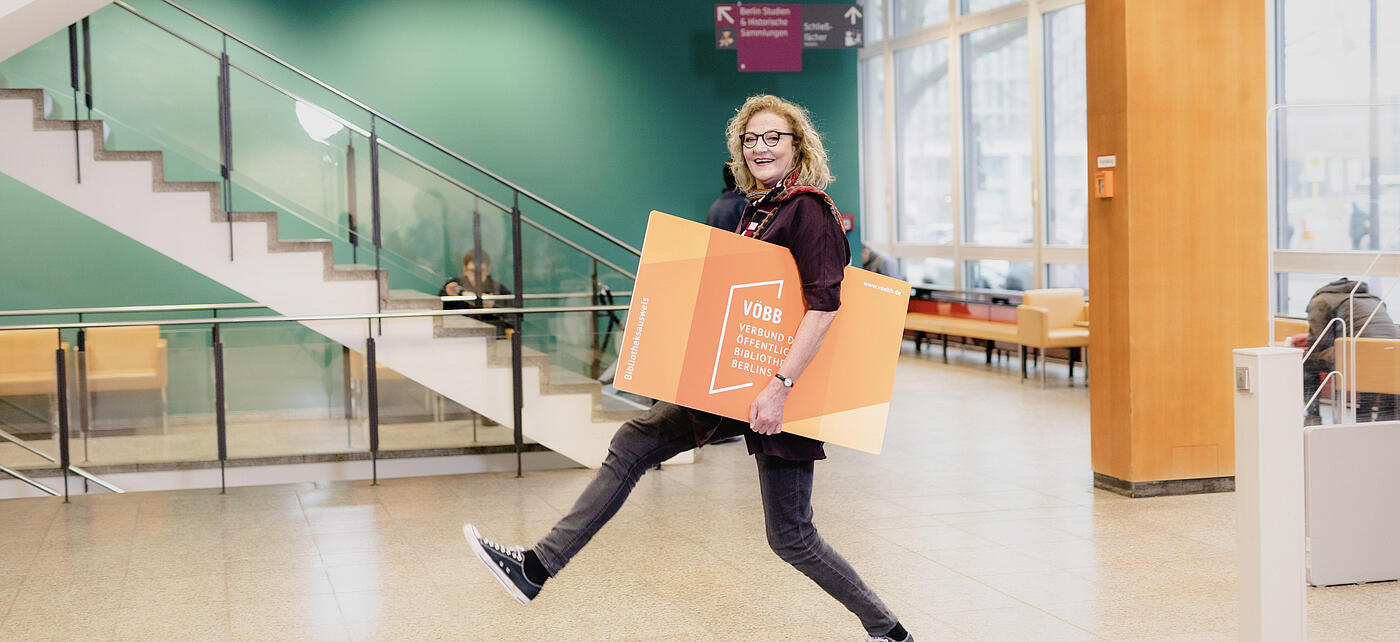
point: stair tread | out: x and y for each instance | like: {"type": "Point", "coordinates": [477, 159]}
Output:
{"type": "Point", "coordinates": [613, 403]}
{"type": "Point", "coordinates": [558, 376]}
{"type": "Point", "coordinates": [411, 294]}
{"type": "Point", "coordinates": [460, 322]}
{"type": "Point", "coordinates": [525, 351]}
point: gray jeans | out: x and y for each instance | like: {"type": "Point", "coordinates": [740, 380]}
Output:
{"type": "Point", "coordinates": [786, 487]}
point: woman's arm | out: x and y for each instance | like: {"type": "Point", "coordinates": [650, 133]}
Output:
{"type": "Point", "coordinates": [766, 413]}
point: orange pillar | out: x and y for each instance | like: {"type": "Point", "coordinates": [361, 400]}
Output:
{"type": "Point", "coordinates": [1178, 268]}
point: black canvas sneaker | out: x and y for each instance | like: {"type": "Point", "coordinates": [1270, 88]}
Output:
{"type": "Point", "coordinates": [507, 564]}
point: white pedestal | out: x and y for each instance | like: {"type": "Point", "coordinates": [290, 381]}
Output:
{"type": "Point", "coordinates": [1269, 488]}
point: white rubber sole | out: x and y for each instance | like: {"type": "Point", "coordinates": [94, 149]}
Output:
{"type": "Point", "coordinates": [473, 536]}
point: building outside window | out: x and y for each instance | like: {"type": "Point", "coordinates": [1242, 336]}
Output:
{"type": "Point", "coordinates": [1335, 128]}
{"type": "Point", "coordinates": [980, 173]}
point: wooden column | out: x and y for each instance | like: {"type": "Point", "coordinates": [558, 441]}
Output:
{"type": "Point", "coordinates": [1178, 256]}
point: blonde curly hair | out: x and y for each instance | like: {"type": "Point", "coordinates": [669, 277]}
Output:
{"type": "Point", "coordinates": [810, 158]}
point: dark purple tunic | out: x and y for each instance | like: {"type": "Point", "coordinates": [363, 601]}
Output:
{"type": "Point", "coordinates": [807, 227]}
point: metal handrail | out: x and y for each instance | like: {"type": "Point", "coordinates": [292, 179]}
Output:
{"type": "Point", "coordinates": [79, 471]}
{"type": "Point", "coordinates": [318, 317]}
{"type": "Point", "coordinates": [20, 476]}
{"type": "Point", "coordinates": [434, 144]}
{"type": "Point", "coordinates": [554, 295]}
{"type": "Point", "coordinates": [401, 153]}
{"type": "Point", "coordinates": [1342, 382]}
{"type": "Point", "coordinates": [94, 479]}
{"type": "Point", "coordinates": [20, 442]}
{"type": "Point", "coordinates": [134, 308]}
{"type": "Point", "coordinates": [1325, 329]}
{"type": "Point", "coordinates": [254, 306]}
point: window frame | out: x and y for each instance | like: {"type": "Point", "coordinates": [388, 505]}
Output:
{"type": "Point", "coordinates": [959, 250]}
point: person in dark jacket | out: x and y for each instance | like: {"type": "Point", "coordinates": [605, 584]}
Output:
{"type": "Point", "coordinates": [476, 270]}
{"type": "Point", "coordinates": [778, 159]}
{"type": "Point", "coordinates": [879, 262]}
{"type": "Point", "coordinates": [1353, 303]}
{"type": "Point", "coordinates": [725, 211]}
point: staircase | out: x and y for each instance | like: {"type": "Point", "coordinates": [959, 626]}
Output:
{"type": "Point", "coordinates": [25, 22]}
{"type": "Point", "coordinates": [457, 357]}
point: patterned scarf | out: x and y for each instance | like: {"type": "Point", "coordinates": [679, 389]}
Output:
{"type": "Point", "coordinates": [770, 198]}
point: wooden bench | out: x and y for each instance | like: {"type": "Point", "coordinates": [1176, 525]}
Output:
{"type": "Point", "coordinates": [989, 322]}
{"type": "Point", "coordinates": [1049, 319]}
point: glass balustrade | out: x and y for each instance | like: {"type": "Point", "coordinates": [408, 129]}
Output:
{"type": "Point", "coordinates": [313, 156]}
{"type": "Point", "coordinates": [325, 165]}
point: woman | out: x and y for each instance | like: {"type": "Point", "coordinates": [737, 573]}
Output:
{"type": "Point", "coordinates": [778, 159]}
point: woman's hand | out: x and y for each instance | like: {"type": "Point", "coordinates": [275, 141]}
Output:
{"type": "Point", "coordinates": [766, 412]}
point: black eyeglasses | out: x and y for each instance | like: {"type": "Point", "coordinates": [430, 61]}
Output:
{"type": "Point", "coordinates": [770, 138]}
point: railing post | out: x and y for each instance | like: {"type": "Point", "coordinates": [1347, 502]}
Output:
{"type": "Point", "coordinates": [61, 376]}
{"type": "Point", "coordinates": [476, 250]}
{"type": "Point", "coordinates": [596, 362]}
{"type": "Point", "coordinates": [84, 410]}
{"type": "Point", "coordinates": [347, 377]}
{"type": "Point", "coordinates": [372, 376]}
{"type": "Point", "coordinates": [351, 205]}
{"type": "Point", "coordinates": [87, 67]}
{"type": "Point", "coordinates": [73, 82]}
{"type": "Point", "coordinates": [226, 143]}
{"type": "Point", "coordinates": [516, 348]}
{"type": "Point", "coordinates": [220, 416]}
{"type": "Point", "coordinates": [377, 235]}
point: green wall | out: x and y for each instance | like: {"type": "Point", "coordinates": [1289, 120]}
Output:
{"type": "Point", "coordinates": [609, 109]}
{"type": "Point", "coordinates": [54, 257]}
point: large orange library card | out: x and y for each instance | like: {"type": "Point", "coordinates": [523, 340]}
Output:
{"type": "Point", "coordinates": [712, 318]}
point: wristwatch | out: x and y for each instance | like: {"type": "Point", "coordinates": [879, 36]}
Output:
{"type": "Point", "coordinates": [787, 383]}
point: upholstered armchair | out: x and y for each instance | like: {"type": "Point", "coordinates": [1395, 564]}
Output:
{"type": "Point", "coordinates": [1052, 318]}
{"type": "Point", "coordinates": [128, 358]}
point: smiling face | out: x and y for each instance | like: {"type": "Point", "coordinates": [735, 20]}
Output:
{"type": "Point", "coordinates": [769, 164]}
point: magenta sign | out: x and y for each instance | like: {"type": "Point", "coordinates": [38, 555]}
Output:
{"type": "Point", "coordinates": [768, 37]}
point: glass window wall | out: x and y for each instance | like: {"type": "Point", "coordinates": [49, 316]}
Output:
{"type": "Point", "coordinates": [912, 15]}
{"type": "Point", "coordinates": [999, 275]}
{"type": "Point", "coordinates": [1336, 128]}
{"type": "Point", "coordinates": [976, 102]}
{"type": "Point", "coordinates": [875, 222]}
{"type": "Point", "coordinates": [874, 20]}
{"type": "Point", "coordinates": [1066, 130]}
{"type": "Point", "coordinates": [997, 147]}
{"type": "Point", "coordinates": [929, 271]}
{"type": "Point", "coordinates": [924, 144]}
{"type": "Point", "coordinates": [1067, 275]}
{"type": "Point", "coordinates": [973, 6]}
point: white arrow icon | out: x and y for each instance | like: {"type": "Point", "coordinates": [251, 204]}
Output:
{"type": "Point", "coordinates": [852, 13]}
{"type": "Point", "coordinates": [722, 13]}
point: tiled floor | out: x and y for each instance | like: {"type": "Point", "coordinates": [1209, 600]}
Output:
{"type": "Point", "coordinates": [978, 522]}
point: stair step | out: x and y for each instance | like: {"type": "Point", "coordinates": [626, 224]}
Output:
{"type": "Point", "coordinates": [462, 327]}
{"type": "Point", "coordinates": [412, 300]}
{"type": "Point", "coordinates": [351, 273]}
{"type": "Point", "coordinates": [114, 163]}
{"type": "Point", "coordinates": [301, 245]}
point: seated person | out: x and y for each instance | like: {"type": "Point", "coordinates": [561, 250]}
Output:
{"type": "Point", "coordinates": [879, 263]}
{"type": "Point", "coordinates": [474, 267]}
{"type": "Point", "coordinates": [1332, 301]}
